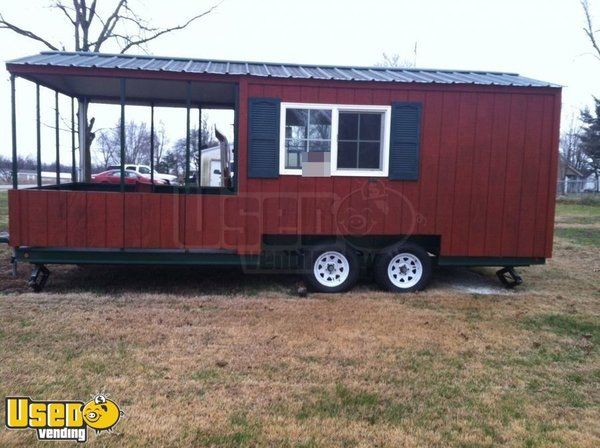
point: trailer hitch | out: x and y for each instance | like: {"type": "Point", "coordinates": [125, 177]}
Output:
{"type": "Point", "coordinates": [509, 277]}
{"type": "Point", "coordinates": [39, 277]}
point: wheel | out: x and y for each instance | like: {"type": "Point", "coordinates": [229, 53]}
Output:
{"type": "Point", "coordinates": [331, 268]}
{"type": "Point", "coordinates": [403, 268]}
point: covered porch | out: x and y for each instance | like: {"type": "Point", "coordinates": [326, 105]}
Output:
{"type": "Point", "coordinates": [87, 79]}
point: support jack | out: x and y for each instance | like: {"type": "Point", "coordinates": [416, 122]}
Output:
{"type": "Point", "coordinates": [509, 277]}
{"type": "Point", "coordinates": [39, 277]}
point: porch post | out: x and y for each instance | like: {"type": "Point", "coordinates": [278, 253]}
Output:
{"type": "Point", "coordinates": [152, 144]}
{"type": "Point", "coordinates": [57, 137]}
{"type": "Point", "coordinates": [199, 173]}
{"type": "Point", "coordinates": [187, 136]}
{"type": "Point", "coordinates": [122, 135]}
{"type": "Point", "coordinates": [38, 131]}
{"type": "Point", "coordinates": [13, 114]}
{"type": "Point", "coordinates": [82, 132]}
{"type": "Point", "coordinates": [73, 162]}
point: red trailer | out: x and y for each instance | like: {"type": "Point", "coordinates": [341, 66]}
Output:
{"type": "Point", "coordinates": [336, 169]}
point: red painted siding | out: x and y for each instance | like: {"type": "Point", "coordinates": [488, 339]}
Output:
{"type": "Point", "coordinates": [486, 184]}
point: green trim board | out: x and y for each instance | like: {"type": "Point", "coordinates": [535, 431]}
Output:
{"type": "Point", "coordinates": [37, 255]}
{"type": "Point", "coordinates": [216, 257]}
{"type": "Point", "coordinates": [489, 261]}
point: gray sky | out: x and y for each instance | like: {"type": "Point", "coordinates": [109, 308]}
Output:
{"type": "Point", "coordinates": [537, 38]}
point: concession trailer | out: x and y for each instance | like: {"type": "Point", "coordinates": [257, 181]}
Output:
{"type": "Point", "coordinates": [336, 171]}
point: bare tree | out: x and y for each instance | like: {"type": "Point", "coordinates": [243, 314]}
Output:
{"type": "Point", "coordinates": [592, 34]}
{"type": "Point", "coordinates": [570, 145]}
{"type": "Point", "coordinates": [394, 60]}
{"type": "Point", "coordinates": [137, 144]}
{"type": "Point", "coordinates": [160, 142]}
{"type": "Point", "coordinates": [93, 29]}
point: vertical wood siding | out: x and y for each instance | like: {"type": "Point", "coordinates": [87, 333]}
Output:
{"type": "Point", "coordinates": [486, 184]}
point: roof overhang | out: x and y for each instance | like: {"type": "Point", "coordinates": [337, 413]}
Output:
{"type": "Point", "coordinates": [142, 87]}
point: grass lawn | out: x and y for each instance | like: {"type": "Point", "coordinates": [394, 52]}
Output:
{"type": "Point", "coordinates": [214, 358]}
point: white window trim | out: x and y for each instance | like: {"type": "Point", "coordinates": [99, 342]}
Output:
{"type": "Point", "coordinates": [335, 110]}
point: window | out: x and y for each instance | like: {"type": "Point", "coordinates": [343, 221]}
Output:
{"type": "Point", "coordinates": [144, 170]}
{"type": "Point", "coordinates": [306, 130]}
{"type": "Point", "coordinates": [357, 138]}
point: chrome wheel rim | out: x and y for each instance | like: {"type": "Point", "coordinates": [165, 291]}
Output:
{"type": "Point", "coordinates": [331, 269]}
{"type": "Point", "coordinates": [405, 270]}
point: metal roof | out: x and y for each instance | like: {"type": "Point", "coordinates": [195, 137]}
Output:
{"type": "Point", "coordinates": [275, 70]}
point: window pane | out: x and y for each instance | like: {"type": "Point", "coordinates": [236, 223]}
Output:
{"type": "Point", "coordinates": [368, 155]}
{"type": "Point", "coordinates": [347, 155]}
{"type": "Point", "coordinates": [319, 124]}
{"type": "Point", "coordinates": [370, 127]}
{"type": "Point", "coordinates": [294, 148]}
{"type": "Point", "coordinates": [295, 145]}
{"type": "Point", "coordinates": [319, 146]}
{"type": "Point", "coordinates": [293, 160]}
{"type": "Point", "coordinates": [296, 122]}
{"type": "Point", "coordinates": [348, 126]}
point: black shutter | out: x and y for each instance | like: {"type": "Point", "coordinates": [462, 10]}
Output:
{"type": "Point", "coordinates": [263, 137]}
{"type": "Point", "coordinates": [404, 141]}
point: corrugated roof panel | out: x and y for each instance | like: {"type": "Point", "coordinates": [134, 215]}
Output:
{"type": "Point", "coordinates": [277, 71]}
{"type": "Point", "coordinates": [107, 62]}
{"type": "Point", "coordinates": [331, 72]}
{"type": "Point", "coordinates": [132, 62]}
{"type": "Point", "coordinates": [499, 80]}
{"type": "Point", "coordinates": [120, 61]}
{"type": "Point", "coordinates": [175, 66]}
{"type": "Point", "coordinates": [396, 75]}
{"type": "Point", "coordinates": [217, 68]}
{"type": "Point", "coordinates": [135, 63]}
{"type": "Point", "coordinates": [236, 68]}
{"type": "Point", "coordinates": [346, 73]}
{"type": "Point", "coordinates": [314, 72]}
{"type": "Point", "coordinates": [198, 67]}
{"type": "Point", "coordinates": [379, 75]}
{"type": "Point", "coordinates": [414, 76]}
{"type": "Point", "coordinates": [57, 59]}
{"type": "Point", "coordinates": [257, 70]}
{"type": "Point", "coordinates": [463, 78]}
{"type": "Point", "coordinates": [296, 72]}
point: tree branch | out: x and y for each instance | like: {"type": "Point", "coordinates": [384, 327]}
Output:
{"type": "Point", "coordinates": [109, 26]}
{"type": "Point", "coordinates": [65, 10]}
{"type": "Point", "coordinates": [589, 28]}
{"type": "Point", "coordinates": [136, 43]}
{"type": "Point", "coordinates": [23, 32]}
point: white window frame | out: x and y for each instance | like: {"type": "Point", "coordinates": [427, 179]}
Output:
{"type": "Point", "coordinates": [335, 111]}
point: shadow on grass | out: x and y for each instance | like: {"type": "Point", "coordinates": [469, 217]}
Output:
{"type": "Point", "coordinates": [184, 281]}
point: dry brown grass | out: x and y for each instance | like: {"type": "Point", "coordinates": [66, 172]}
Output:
{"type": "Point", "coordinates": [207, 358]}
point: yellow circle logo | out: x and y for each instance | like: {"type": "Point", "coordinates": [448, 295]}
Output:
{"type": "Point", "coordinates": [101, 413]}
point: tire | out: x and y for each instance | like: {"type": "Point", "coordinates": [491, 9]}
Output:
{"type": "Point", "coordinates": [330, 268]}
{"type": "Point", "coordinates": [403, 267]}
